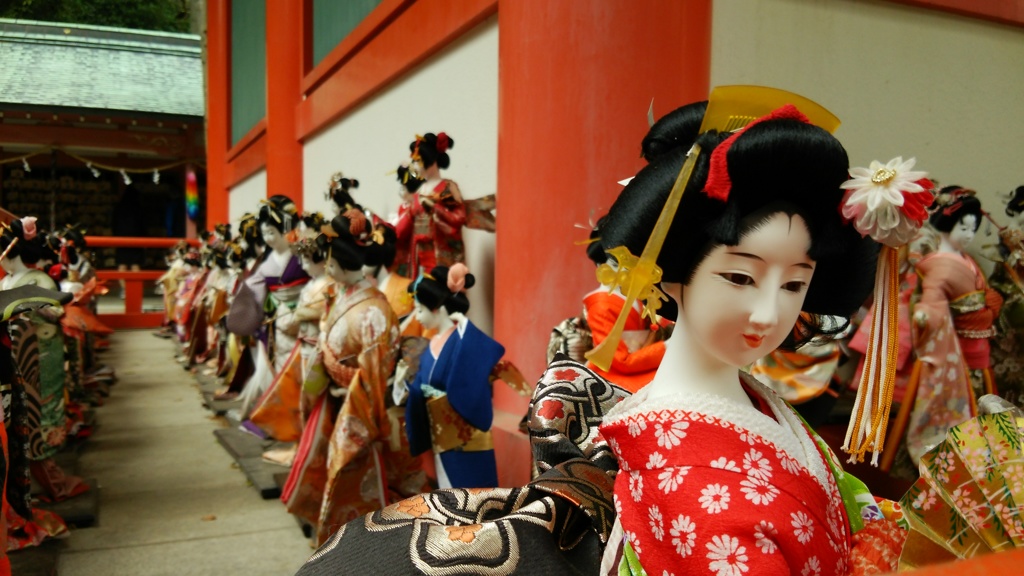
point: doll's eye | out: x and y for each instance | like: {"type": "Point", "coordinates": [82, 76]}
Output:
{"type": "Point", "coordinates": [794, 286]}
{"type": "Point", "coordinates": [737, 278]}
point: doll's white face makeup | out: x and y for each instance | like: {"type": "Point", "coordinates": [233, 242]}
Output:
{"type": "Point", "coordinates": [963, 232]}
{"type": "Point", "coordinates": [744, 300]}
{"type": "Point", "coordinates": [273, 238]}
{"type": "Point", "coordinates": [424, 316]}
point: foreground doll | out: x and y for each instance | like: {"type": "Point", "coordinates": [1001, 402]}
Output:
{"type": "Point", "coordinates": [705, 470]}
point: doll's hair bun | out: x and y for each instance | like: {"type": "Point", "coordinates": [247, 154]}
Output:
{"type": "Point", "coordinates": [1016, 203]}
{"type": "Point", "coordinates": [459, 278]}
{"type": "Point", "coordinates": [433, 149]}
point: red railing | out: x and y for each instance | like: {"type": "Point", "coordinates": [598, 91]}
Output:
{"type": "Point", "coordinates": [133, 316]}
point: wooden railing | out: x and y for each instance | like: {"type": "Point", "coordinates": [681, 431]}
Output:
{"type": "Point", "coordinates": [133, 316]}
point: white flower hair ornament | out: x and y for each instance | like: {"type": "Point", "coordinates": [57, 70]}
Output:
{"type": "Point", "coordinates": [889, 203]}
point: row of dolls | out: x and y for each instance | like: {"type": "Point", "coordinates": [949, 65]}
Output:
{"type": "Point", "coordinates": [327, 346]}
{"type": "Point", "coordinates": [673, 458]}
{"type": "Point", "coordinates": [49, 374]}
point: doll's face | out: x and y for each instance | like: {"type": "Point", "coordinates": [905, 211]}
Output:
{"type": "Point", "coordinates": [314, 269]}
{"type": "Point", "coordinates": [744, 300]}
{"type": "Point", "coordinates": [340, 275]}
{"type": "Point", "coordinates": [273, 238]}
{"type": "Point", "coordinates": [427, 318]}
{"type": "Point", "coordinates": [963, 232]}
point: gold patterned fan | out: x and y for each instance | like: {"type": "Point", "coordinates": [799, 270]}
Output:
{"type": "Point", "coordinates": [966, 502]}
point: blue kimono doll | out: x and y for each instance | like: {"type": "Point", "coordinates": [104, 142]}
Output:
{"type": "Point", "coordinates": [449, 407]}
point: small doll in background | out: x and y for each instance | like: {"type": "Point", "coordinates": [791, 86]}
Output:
{"type": "Point", "coordinates": [345, 467]}
{"type": "Point", "coordinates": [430, 220]}
{"type": "Point", "coordinates": [953, 321]}
{"type": "Point", "coordinates": [1007, 278]}
{"type": "Point", "coordinates": [450, 408]}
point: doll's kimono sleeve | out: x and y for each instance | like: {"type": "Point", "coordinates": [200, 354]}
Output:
{"type": "Point", "coordinates": [417, 423]}
{"type": "Point", "coordinates": [468, 386]}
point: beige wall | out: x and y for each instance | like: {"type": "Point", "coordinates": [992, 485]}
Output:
{"type": "Point", "coordinates": [946, 89]}
{"type": "Point", "coordinates": [246, 196]}
{"type": "Point", "coordinates": [455, 91]}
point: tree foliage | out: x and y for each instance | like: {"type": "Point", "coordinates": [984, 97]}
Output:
{"type": "Point", "coordinates": [163, 15]}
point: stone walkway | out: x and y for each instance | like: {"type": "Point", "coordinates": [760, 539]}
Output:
{"type": "Point", "coordinates": [171, 500]}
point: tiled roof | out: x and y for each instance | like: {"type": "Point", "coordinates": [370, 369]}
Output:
{"type": "Point", "coordinates": [78, 66]}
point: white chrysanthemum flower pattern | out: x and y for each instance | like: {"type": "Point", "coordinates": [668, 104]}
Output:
{"type": "Point", "coordinates": [636, 486]}
{"type": "Point", "coordinates": [758, 490]}
{"type": "Point", "coordinates": [764, 539]}
{"type": "Point", "coordinates": [656, 461]}
{"type": "Point", "coordinates": [636, 427]}
{"type": "Point", "coordinates": [670, 479]}
{"type": "Point", "coordinates": [812, 567]}
{"type": "Point", "coordinates": [723, 463]}
{"type": "Point", "coordinates": [683, 535]}
{"type": "Point", "coordinates": [757, 465]}
{"type": "Point", "coordinates": [715, 498]}
{"type": "Point", "coordinates": [803, 526]}
{"type": "Point", "coordinates": [670, 436]}
{"type": "Point", "coordinates": [656, 522]}
{"type": "Point", "coordinates": [727, 557]}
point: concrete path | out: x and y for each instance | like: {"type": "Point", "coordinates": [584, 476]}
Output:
{"type": "Point", "coordinates": [171, 500]}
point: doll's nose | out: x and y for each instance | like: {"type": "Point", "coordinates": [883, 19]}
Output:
{"type": "Point", "coordinates": [764, 313]}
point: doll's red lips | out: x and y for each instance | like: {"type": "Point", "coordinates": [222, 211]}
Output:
{"type": "Point", "coordinates": [753, 340]}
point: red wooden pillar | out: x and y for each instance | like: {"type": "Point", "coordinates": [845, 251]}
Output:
{"type": "Point", "coordinates": [218, 107]}
{"type": "Point", "coordinates": [575, 85]}
{"type": "Point", "coordinates": [284, 93]}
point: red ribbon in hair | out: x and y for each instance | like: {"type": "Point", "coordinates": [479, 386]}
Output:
{"type": "Point", "coordinates": [719, 184]}
{"type": "Point", "coordinates": [442, 143]}
{"type": "Point", "coordinates": [957, 200]}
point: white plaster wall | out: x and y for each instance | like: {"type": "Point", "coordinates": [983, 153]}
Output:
{"type": "Point", "coordinates": [907, 81]}
{"type": "Point", "coordinates": [246, 196]}
{"type": "Point", "coordinates": [455, 91]}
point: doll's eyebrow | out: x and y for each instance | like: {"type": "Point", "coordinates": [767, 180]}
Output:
{"type": "Point", "coordinates": [758, 258]}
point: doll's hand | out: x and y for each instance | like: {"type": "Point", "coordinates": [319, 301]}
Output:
{"type": "Point", "coordinates": [427, 202]}
{"type": "Point", "coordinates": [921, 319]}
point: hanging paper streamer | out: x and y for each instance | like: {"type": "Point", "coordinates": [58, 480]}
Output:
{"type": "Point", "coordinates": [191, 193]}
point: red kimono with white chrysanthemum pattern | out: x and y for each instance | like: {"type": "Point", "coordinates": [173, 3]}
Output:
{"type": "Point", "coordinates": [707, 486]}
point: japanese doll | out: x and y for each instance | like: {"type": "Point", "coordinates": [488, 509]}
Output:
{"type": "Point", "coordinates": [349, 461]}
{"type": "Point", "coordinates": [449, 409]}
{"type": "Point", "coordinates": [273, 287]}
{"type": "Point", "coordinates": [953, 320]}
{"type": "Point", "coordinates": [278, 412]}
{"type": "Point", "coordinates": [430, 221]}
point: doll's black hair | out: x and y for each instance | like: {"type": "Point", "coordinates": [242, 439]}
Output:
{"type": "Point", "coordinates": [432, 291]}
{"type": "Point", "coordinates": [340, 195]}
{"type": "Point", "coordinates": [963, 203]}
{"type": "Point", "coordinates": [1016, 203]}
{"type": "Point", "coordinates": [223, 231]}
{"type": "Point", "coordinates": [433, 149]}
{"type": "Point", "coordinates": [780, 165]}
{"type": "Point", "coordinates": [279, 212]}
{"type": "Point", "coordinates": [310, 248]}
{"type": "Point", "coordinates": [249, 230]}
{"type": "Point", "coordinates": [677, 129]}
{"type": "Point", "coordinates": [30, 251]}
{"type": "Point", "coordinates": [343, 247]}
{"type": "Point", "coordinates": [383, 254]}
{"type": "Point", "coordinates": [407, 178]}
